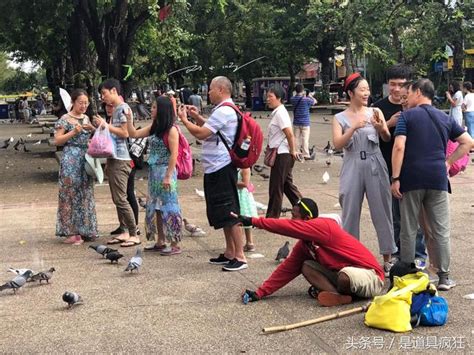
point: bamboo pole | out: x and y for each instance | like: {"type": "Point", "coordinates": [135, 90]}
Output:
{"type": "Point", "coordinates": [349, 312]}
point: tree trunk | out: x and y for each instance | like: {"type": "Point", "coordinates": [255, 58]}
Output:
{"type": "Point", "coordinates": [291, 70]}
{"type": "Point", "coordinates": [397, 44]}
{"type": "Point", "coordinates": [248, 93]}
{"type": "Point", "coordinates": [458, 52]}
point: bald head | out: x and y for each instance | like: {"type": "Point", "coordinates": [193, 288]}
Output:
{"type": "Point", "coordinates": [220, 89]}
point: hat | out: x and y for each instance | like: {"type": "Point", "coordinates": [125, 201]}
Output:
{"type": "Point", "coordinates": [94, 168]}
{"type": "Point", "coordinates": [170, 92]}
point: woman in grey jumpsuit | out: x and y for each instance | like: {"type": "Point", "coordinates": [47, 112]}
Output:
{"type": "Point", "coordinates": [364, 171]}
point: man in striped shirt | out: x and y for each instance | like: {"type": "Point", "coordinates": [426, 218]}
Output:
{"type": "Point", "coordinates": [220, 175]}
{"type": "Point", "coordinates": [301, 122]}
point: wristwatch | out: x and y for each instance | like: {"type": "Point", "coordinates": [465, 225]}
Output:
{"type": "Point", "coordinates": [393, 179]}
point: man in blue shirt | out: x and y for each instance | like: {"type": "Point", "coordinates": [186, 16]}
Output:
{"type": "Point", "coordinates": [420, 178]}
{"type": "Point", "coordinates": [301, 123]}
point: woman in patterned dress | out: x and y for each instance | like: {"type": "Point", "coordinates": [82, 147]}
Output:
{"type": "Point", "coordinates": [162, 198]}
{"type": "Point", "coordinates": [76, 217]}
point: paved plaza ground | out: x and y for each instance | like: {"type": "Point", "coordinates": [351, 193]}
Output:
{"type": "Point", "coordinates": [182, 304]}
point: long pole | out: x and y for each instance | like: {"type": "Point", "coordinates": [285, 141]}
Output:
{"type": "Point", "coordinates": [281, 328]}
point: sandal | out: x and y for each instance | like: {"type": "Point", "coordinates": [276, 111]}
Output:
{"type": "Point", "coordinates": [155, 247]}
{"type": "Point", "coordinates": [249, 247]}
{"type": "Point", "coordinates": [130, 243]}
{"type": "Point", "coordinates": [117, 240]}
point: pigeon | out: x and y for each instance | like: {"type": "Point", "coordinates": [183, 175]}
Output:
{"type": "Point", "coordinates": [199, 193]}
{"type": "Point", "coordinates": [25, 149]}
{"type": "Point", "coordinates": [328, 162]}
{"type": "Point", "coordinates": [135, 262]}
{"type": "Point", "coordinates": [102, 249]}
{"type": "Point", "coordinates": [198, 233]}
{"type": "Point", "coordinates": [43, 276]}
{"type": "Point", "coordinates": [17, 144]}
{"type": "Point", "coordinates": [72, 298]}
{"type": "Point", "coordinates": [188, 226]}
{"type": "Point", "coordinates": [142, 202]}
{"type": "Point", "coordinates": [7, 142]}
{"type": "Point", "coordinates": [325, 119]}
{"type": "Point", "coordinates": [327, 147]}
{"type": "Point", "coordinates": [283, 252]}
{"type": "Point", "coordinates": [21, 271]}
{"type": "Point", "coordinates": [113, 256]}
{"type": "Point", "coordinates": [37, 143]}
{"type": "Point", "coordinates": [198, 142]}
{"type": "Point", "coordinates": [325, 177]}
{"type": "Point", "coordinates": [311, 150]}
{"type": "Point", "coordinates": [259, 168]}
{"type": "Point", "coordinates": [17, 282]}
{"type": "Point", "coordinates": [29, 135]}
{"type": "Point", "coordinates": [264, 176]}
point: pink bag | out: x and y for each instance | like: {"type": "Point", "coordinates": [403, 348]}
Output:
{"type": "Point", "coordinates": [102, 144]}
{"type": "Point", "coordinates": [460, 164]}
{"type": "Point", "coordinates": [184, 164]}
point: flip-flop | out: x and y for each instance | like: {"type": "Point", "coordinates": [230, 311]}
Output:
{"type": "Point", "coordinates": [116, 241]}
{"type": "Point", "coordinates": [155, 247]}
{"type": "Point", "coordinates": [130, 243]}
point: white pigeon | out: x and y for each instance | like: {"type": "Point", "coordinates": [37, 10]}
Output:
{"type": "Point", "coordinates": [199, 193]}
{"type": "Point", "coordinates": [11, 139]}
{"type": "Point", "coordinates": [37, 143]}
{"type": "Point", "coordinates": [189, 226]}
{"type": "Point", "coordinates": [325, 177]}
{"type": "Point", "coordinates": [198, 232]}
{"type": "Point", "coordinates": [29, 135]}
{"type": "Point", "coordinates": [260, 206]}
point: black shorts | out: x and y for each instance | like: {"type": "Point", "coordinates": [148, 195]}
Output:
{"type": "Point", "coordinates": [220, 189]}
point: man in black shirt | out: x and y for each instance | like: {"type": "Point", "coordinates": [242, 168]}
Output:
{"type": "Point", "coordinates": [397, 76]}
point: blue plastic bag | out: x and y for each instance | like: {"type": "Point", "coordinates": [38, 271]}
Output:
{"type": "Point", "coordinates": [435, 312]}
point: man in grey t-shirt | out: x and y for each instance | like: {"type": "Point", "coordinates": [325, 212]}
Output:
{"type": "Point", "coordinates": [119, 167]}
{"type": "Point", "coordinates": [196, 100]}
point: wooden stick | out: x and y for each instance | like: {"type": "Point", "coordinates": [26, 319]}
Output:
{"type": "Point", "coordinates": [316, 320]}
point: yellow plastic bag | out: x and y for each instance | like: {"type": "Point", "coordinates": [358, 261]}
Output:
{"type": "Point", "coordinates": [392, 310]}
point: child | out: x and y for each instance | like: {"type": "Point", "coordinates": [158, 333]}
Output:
{"type": "Point", "coordinates": [247, 205]}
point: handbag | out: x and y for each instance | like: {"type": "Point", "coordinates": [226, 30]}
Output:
{"type": "Point", "coordinates": [392, 310]}
{"type": "Point", "coordinates": [102, 144]}
{"type": "Point", "coordinates": [270, 156]}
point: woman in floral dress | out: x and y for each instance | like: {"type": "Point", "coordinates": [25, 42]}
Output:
{"type": "Point", "coordinates": [76, 218]}
{"type": "Point", "coordinates": [162, 197]}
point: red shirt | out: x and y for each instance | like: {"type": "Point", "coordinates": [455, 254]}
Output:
{"type": "Point", "coordinates": [320, 239]}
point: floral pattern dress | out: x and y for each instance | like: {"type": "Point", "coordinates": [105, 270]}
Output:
{"type": "Point", "coordinates": [159, 199]}
{"type": "Point", "coordinates": [76, 205]}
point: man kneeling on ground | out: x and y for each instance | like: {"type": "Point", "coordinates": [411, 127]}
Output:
{"type": "Point", "coordinates": [335, 263]}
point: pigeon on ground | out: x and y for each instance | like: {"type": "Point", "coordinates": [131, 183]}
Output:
{"type": "Point", "coordinates": [325, 177]}
{"type": "Point", "coordinates": [7, 142]}
{"type": "Point", "coordinates": [17, 282]}
{"type": "Point", "coordinates": [327, 147]}
{"type": "Point", "coordinates": [29, 135]}
{"type": "Point", "coordinates": [135, 262]}
{"type": "Point", "coordinates": [198, 233]}
{"type": "Point", "coordinates": [142, 202]}
{"type": "Point", "coordinates": [102, 249]}
{"type": "Point", "coordinates": [43, 276]}
{"type": "Point", "coordinates": [113, 256]}
{"type": "Point", "coordinates": [188, 226]}
{"type": "Point", "coordinates": [37, 143]}
{"type": "Point", "coordinates": [198, 142]}
{"type": "Point", "coordinates": [26, 150]}
{"type": "Point", "coordinates": [264, 176]}
{"type": "Point", "coordinates": [17, 144]}
{"type": "Point", "coordinates": [199, 193]}
{"type": "Point", "coordinates": [283, 252]}
{"type": "Point", "coordinates": [328, 162]}
{"type": "Point", "coordinates": [72, 298]}
{"type": "Point", "coordinates": [21, 271]}
{"type": "Point", "coordinates": [326, 119]}
{"type": "Point", "coordinates": [259, 168]}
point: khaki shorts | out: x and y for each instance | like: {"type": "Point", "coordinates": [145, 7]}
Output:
{"type": "Point", "coordinates": [364, 282]}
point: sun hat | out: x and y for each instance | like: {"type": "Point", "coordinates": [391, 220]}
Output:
{"type": "Point", "coordinates": [94, 168]}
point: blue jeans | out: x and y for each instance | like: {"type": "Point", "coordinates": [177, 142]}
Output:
{"type": "Point", "coordinates": [469, 118]}
{"type": "Point", "coordinates": [420, 250]}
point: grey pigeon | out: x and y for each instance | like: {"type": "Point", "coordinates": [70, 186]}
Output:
{"type": "Point", "coordinates": [135, 262]}
{"type": "Point", "coordinates": [7, 142]}
{"type": "Point", "coordinates": [283, 252]}
{"type": "Point", "coordinates": [259, 168]}
{"type": "Point", "coordinates": [113, 256]}
{"type": "Point", "coordinates": [20, 271]}
{"type": "Point", "coordinates": [72, 298]}
{"type": "Point", "coordinates": [17, 282]}
{"type": "Point", "coordinates": [102, 249]}
{"type": "Point", "coordinates": [43, 275]}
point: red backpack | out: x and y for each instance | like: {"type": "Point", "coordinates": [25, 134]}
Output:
{"type": "Point", "coordinates": [184, 163]}
{"type": "Point", "coordinates": [248, 141]}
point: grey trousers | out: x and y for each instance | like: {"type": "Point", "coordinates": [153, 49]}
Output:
{"type": "Point", "coordinates": [118, 172]}
{"type": "Point", "coordinates": [436, 207]}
